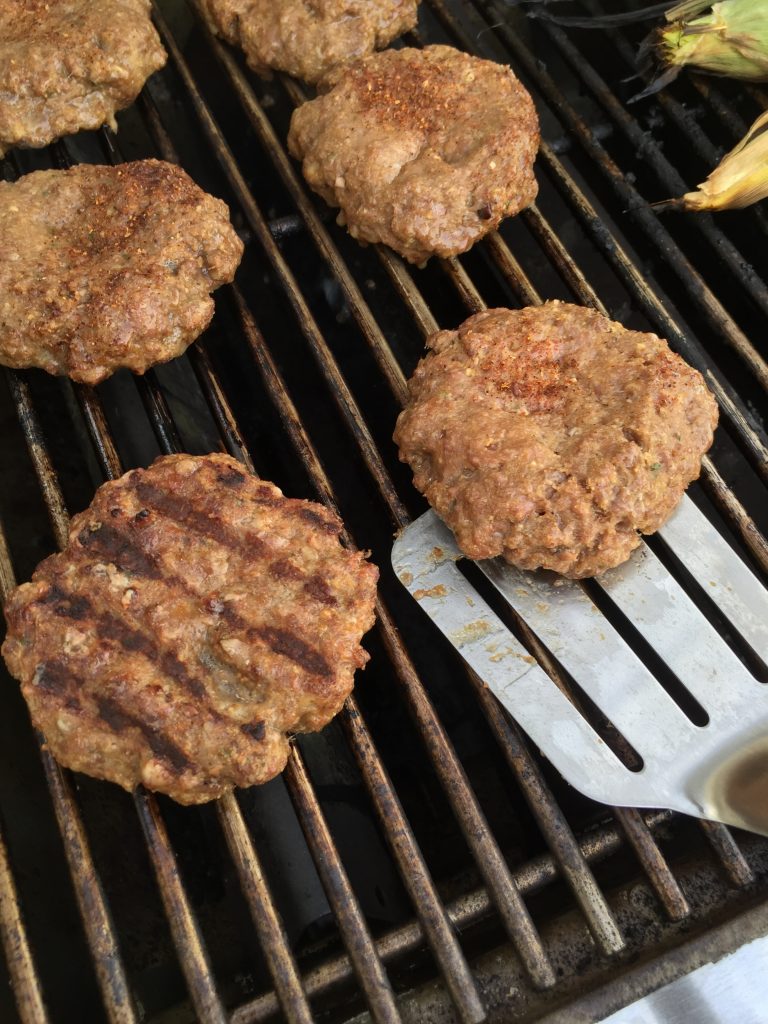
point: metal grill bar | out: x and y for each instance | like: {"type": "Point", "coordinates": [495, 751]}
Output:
{"type": "Point", "coordinates": [274, 942]}
{"type": "Point", "coordinates": [728, 852]}
{"type": "Point", "coordinates": [18, 955]}
{"type": "Point", "coordinates": [184, 927]}
{"type": "Point", "coordinates": [357, 938]}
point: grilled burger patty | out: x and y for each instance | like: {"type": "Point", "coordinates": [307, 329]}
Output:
{"type": "Point", "coordinates": [108, 267]}
{"type": "Point", "coordinates": [553, 436]}
{"type": "Point", "coordinates": [424, 150]}
{"type": "Point", "coordinates": [307, 38]}
{"type": "Point", "coordinates": [71, 64]}
{"type": "Point", "coordinates": [195, 617]}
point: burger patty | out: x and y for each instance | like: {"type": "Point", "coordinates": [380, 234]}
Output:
{"type": "Point", "coordinates": [553, 436]}
{"type": "Point", "coordinates": [307, 38]}
{"type": "Point", "coordinates": [70, 65]}
{"type": "Point", "coordinates": [424, 150]}
{"type": "Point", "coordinates": [108, 267]}
{"type": "Point", "coordinates": [194, 619]}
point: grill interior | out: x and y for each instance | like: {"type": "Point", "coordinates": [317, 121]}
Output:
{"type": "Point", "coordinates": [416, 860]}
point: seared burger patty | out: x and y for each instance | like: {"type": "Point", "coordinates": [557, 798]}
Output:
{"type": "Point", "coordinates": [307, 38]}
{"type": "Point", "coordinates": [553, 436]}
{"type": "Point", "coordinates": [108, 267]}
{"type": "Point", "coordinates": [71, 64]}
{"type": "Point", "coordinates": [195, 617]}
{"type": "Point", "coordinates": [424, 150]}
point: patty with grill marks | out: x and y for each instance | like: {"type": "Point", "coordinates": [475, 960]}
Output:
{"type": "Point", "coordinates": [71, 64]}
{"type": "Point", "coordinates": [307, 38]}
{"type": "Point", "coordinates": [553, 436]}
{"type": "Point", "coordinates": [108, 267]}
{"type": "Point", "coordinates": [424, 150]}
{"type": "Point", "coordinates": [195, 618]}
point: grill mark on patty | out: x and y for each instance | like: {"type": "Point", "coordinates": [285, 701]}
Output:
{"type": "Point", "coordinates": [266, 496]}
{"type": "Point", "coordinates": [67, 606]}
{"type": "Point", "coordinates": [281, 641]}
{"type": "Point", "coordinates": [282, 569]}
{"type": "Point", "coordinates": [53, 677]}
{"type": "Point", "coordinates": [309, 515]}
{"type": "Point", "coordinates": [285, 642]}
{"type": "Point", "coordinates": [116, 546]}
{"type": "Point", "coordinates": [109, 626]}
{"type": "Point", "coordinates": [256, 731]}
{"type": "Point", "coordinates": [318, 588]}
{"type": "Point", "coordinates": [113, 714]}
{"type": "Point", "coordinates": [182, 512]}
{"type": "Point", "coordinates": [231, 477]}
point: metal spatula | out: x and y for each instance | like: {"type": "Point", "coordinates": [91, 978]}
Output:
{"type": "Point", "coordinates": [719, 770]}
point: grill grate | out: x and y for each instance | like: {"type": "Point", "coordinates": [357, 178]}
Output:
{"type": "Point", "coordinates": [359, 383]}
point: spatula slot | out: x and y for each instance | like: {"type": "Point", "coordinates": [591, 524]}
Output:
{"type": "Point", "coordinates": [703, 595]}
{"type": "Point", "coordinates": [526, 634]}
{"type": "Point", "coordinates": [655, 664]}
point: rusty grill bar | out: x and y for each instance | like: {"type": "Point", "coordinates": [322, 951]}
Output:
{"type": "Point", "coordinates": [372, 970]}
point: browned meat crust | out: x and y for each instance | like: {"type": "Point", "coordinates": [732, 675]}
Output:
{"type": "Point", "coordinates": [108, 267]}
{"type": "Point", "coordinates": [307, 38]}
{"type": "Point", "coordinates": [71, 64]}
{"type": "Point", "coordinates": [425, 150]}
{"type": "Point", "coordinates": [195, 617]}
{"type": "Point", "coordinates": [553, 436]}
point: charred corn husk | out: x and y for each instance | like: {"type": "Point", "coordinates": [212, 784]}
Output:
{"type": "Point", "coordinates": [741, 177]}
{"type": "Point", "coordinates": [731, 39]}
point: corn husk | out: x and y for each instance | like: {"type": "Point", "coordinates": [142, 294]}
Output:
{"type": "Point", "coordinates": [740, 179]}
{"type": "Point", "coordinates": [732, 39]}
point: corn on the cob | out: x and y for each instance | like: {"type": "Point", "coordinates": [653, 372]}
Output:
{"type": "Point", "coordinates": [732, 39]}
{"type": "Point", "coordinates": [741, 177]}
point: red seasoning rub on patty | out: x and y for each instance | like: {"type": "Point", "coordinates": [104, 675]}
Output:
{"type": "Point", "coordinates": [66, 65]}
{"type": "Point", "coordinates": [307, 38]}
{"type": "Point", "coordinates": [553, 436]}
{"type": "Point", "coordinates": [108, 267]}
{"type": "Point", "coordinates": [424, 150]}
{"type": "Point", "coordinates": [195, 618]}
